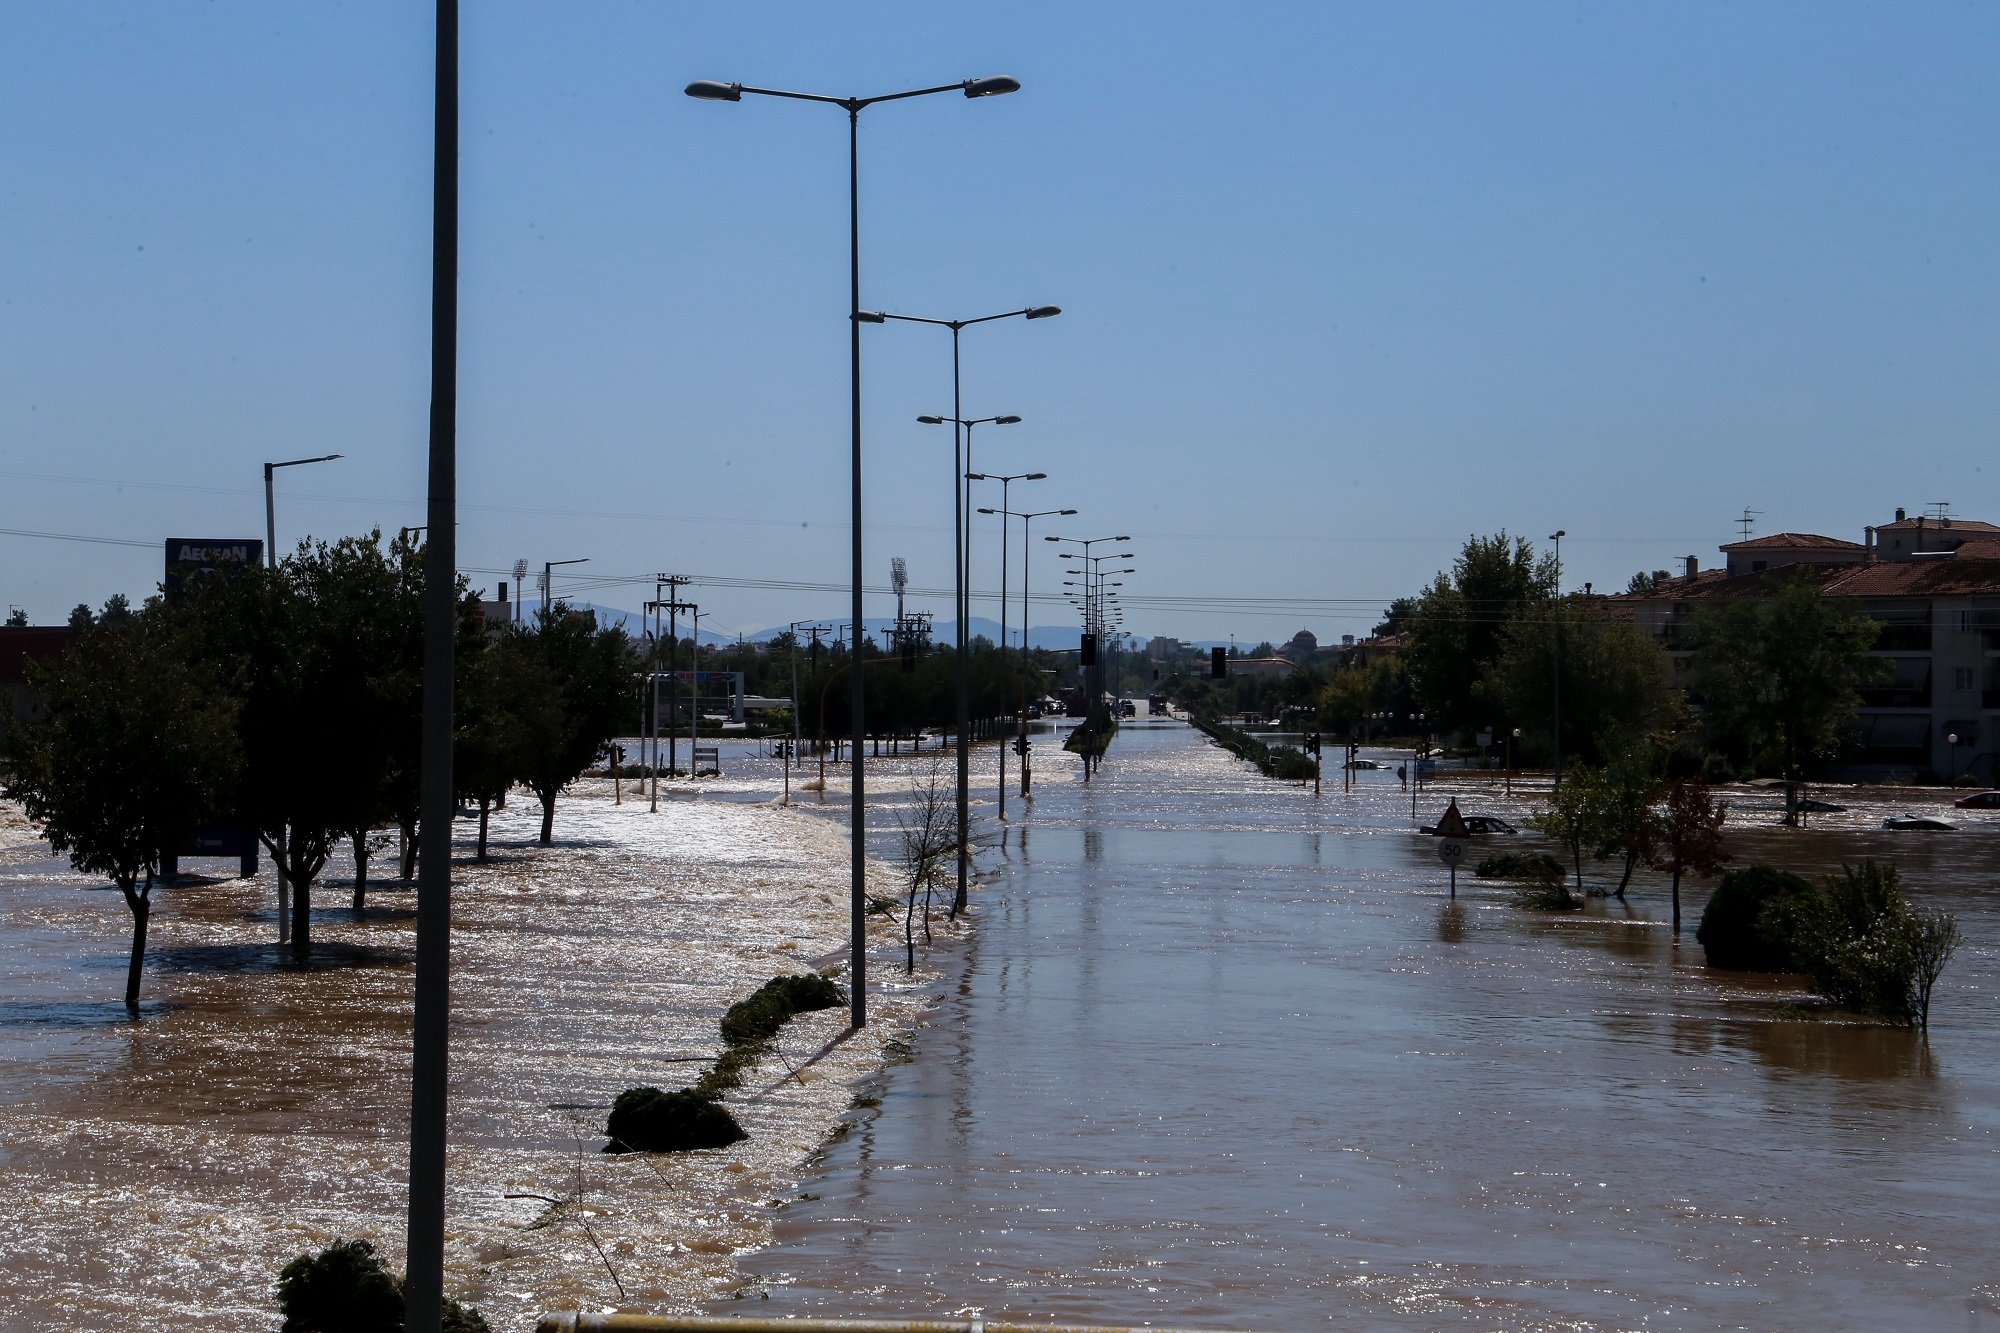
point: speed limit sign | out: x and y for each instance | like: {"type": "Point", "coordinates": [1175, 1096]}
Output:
{"type": "Point", "coordinates": [1451, 850]}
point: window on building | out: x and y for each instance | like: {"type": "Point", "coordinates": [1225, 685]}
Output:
{"type": "Point", "coordinates": [1961, 678]}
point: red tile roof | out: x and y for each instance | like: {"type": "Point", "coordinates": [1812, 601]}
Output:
{"type": "Point", "coordinates": [1795, 541]}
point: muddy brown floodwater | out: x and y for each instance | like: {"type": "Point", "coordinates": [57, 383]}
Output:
{"type": "Point", "coordinates": [1218, 1053]}
{"type": "Point", "coordinates": [156, 1174]}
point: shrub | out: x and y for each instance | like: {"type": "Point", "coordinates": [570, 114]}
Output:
{"type": "Point", "coordinates": [345, 1289]}
{"type": "Point", "coordinates": [1863, 944]}
{"type": "Point", "coordinates": [1539, 866]}
{"type": "Point", "coordinates": [1548, 895]}
{"type": "Point", "coordinates": [342, 1289]}
{"type": "Point", "coordinates": [1289, 764]}
{"type": "Point", "coordinates": [649, 1120]}
{"type": "Point", "coordinates": [1737, 933]}
{"type": "Point", "coordinates": [759, 1017]}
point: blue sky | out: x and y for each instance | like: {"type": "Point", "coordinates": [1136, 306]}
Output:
{"type": "Point", "coordinates": [1342, 284]}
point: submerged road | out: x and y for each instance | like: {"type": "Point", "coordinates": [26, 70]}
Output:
{"type": "Point", "coordinates": [1220, 1054]}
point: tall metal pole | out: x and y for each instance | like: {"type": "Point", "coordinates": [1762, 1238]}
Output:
{"type": "Point", "coordinates": [961, 495]}
{"type": "Point", "coordinates": [270, 520]}
{"type": "Point", "coordinates": [424, 1293]}
{"type": "Point", "coordinates": [1557, 538]}
{"type": "Point", "coordinates": [857, 889]}
{"type": "Point", "coordinates": [1005, 484]}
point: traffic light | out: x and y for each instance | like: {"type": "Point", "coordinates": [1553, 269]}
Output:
{"type": "Point", "coordinates": [1086, 653]}
{"type": "Point", "coordinates": [1218, 663]}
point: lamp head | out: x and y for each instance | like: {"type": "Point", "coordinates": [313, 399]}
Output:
{"type": "Point", "coordinates": [1036, 476]}
{"type": "Point", "coordinates": [975, 476]}
{"type": "Point", "coordinates": [993, 85]}
{"type": "Point", "coordinates": [1051, 539]}
{"type": "Point", "coordinates": [1043, 311]}
{"type": "Point", "coordinates": [708, 90]}
{"type": "Point", "coordinates": [871, 317]}
{"type": "Point", "coordinates": [931, 421]}
{"type": "Point", "coordinates": [988, 511]}
{"type": "Point", "coordinates": [1063, 511]}
{"type": "Point", "coordinates": [1006, 421]}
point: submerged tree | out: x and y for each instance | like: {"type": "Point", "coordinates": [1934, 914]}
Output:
{"type": "Point", "coordinates": [133, 752]}
{"type": "Point", "coordinates": [1690, 836]}
{"type": "Point", "coordinates": [570, 687]}
{"type": "Point", "coordinates": [927, 843]}
{"type": "Point", "coordinates": [1779, 678]}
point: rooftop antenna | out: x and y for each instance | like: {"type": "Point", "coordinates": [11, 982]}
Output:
{"type": "Point", "coordinates": [899, 578]}
{"type": "Point", "coordinates": [1940, 510]}
{"type": "Point", "coordinates": [1748, 521]}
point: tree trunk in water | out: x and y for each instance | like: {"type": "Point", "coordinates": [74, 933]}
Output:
{"type": "Point", "coordinates": [484, 806]}
{"type": "Point", "coordinates": [1576, 858]}
{"type": "Point", "coordinates": [360, 870]}
{"type": "Point", "coordinates": [409, 866]}
{"type": "Point", "coordinates": [1677, 900]}
{"type": "Point", "coordinates": [1626, 878]}
{"type": "Point", "coordinates": [301, 916]}
{"type": "Point", "coordinates": [549, 818]}
{"type": "Point", "coordinates": [141, 911]}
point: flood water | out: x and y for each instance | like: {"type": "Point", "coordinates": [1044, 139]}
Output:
{"type": "Point", "coordinates": [1221, 1054]}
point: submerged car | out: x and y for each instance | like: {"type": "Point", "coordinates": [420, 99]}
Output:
{"type": "Point", "coordinates": [1813, 807]}
{"type": "Point", "coordinates": [1979, 800]}
{"type": "Point", "coordinates": [1918, 823]}
{"type": "Point", "coordinates": [1478, 824]}
{"type": "Point", "coordinates": [1365, 763]}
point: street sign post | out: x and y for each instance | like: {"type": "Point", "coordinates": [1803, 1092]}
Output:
{"type": "Point", "coordinates": [1452, 835]}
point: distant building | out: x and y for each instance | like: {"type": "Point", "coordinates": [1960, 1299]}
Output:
{"type": "Point", "coordinates": [1932, 583]}
{"type": "Point", "coordinates": [1163, 649]}
{"type": "Point", "coordinates": [1302, 644]}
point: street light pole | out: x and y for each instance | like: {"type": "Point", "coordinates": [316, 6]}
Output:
{"type": "Point", "coordinates": [548, 571]}
{"type": "Point", "coordinates": [424, 1238]}
{"type": "Point", "coordinates": [1557, 538]}
{"type": "Point", "coordinates": [271, 508]}
{"type": "Point", "coordinates": [1006, 483]}
{"type": "Point", "coordinates": [991, 86]}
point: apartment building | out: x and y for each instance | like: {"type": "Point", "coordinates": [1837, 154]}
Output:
{"type": "Point", "coordinates": [1932, 583]}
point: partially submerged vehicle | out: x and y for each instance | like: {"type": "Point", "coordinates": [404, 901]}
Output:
{"type": "Point", "coordinates": [1979, 800]}
{"type": "Point", "coordinates": [1918, 824]}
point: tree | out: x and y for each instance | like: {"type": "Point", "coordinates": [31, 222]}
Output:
{"type": "Point", "coordinates": [927, 833]}
{"type": "Point", "coordinates": [319, 649]}
{"type": "Point", "coordinates": [1615, 688]}
{"type": "Point", "coordinates": [1396, 617]}
{"type": "Point", "coordinates": [1690, 835]}
{"type": "Point", "coordinates": [1779, 678]}
{"type": "Point", "coordinates": [1458, 627]}
{"type": "Point", "coordinates": [134, 751]}
{"type": "Point", "coordinates": [1579, 815]}
{"type": "Point", "coordinates": [16, 618]}
{"type": "Point", "coordinates": [571, 687]}
{"type": "Point", "coordinates": [1864, 945]}
{"type": "Point", "coordinates": [486, 748]}
{"type": "Point", "coordinates": [1630, 827]}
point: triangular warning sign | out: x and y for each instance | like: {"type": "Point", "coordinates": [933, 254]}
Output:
{"type": "Point", "coordinates": [1451, 824]}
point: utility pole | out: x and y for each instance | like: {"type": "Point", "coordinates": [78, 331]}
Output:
{"type": "Point", "coordinates": [666, 594]}
{"type": "Point", "coordinates": [797, 733]}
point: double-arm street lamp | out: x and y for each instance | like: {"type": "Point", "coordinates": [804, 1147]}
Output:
{"type": "Point", "coordinates": [710, 91]}
{"type": "Point", "coordinates": [1027, 550]}
{"type": "Point", "coordinates": [1005, 483]}
{"type": "Point", "coordinates": [961, 500]}
{"type": "Point", "coordinates": [961, 536]}
{"type": "Point", "coordinates": [271, 518]}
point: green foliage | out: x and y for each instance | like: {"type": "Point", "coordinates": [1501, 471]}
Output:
{"type": "Point", "coordinates": [1396, 617]}
{"type": "Point", "coordinates": [1862, 943]}
{"type": "Point", "coordinates": [1460, 620]}
{"type": "Point", "coordinates": [649, 1120]}
{"type": "Point", "coordinates": [1578, 814]}
{"type": "Point", "coordinates": [1688, 838]}
{"type": "Point", "coordinates": [133, 751]}
{"type": "Point", "coordinates": [342, 1289]}
{"type": "Point", "coordinates": [1779, 677]}
{"type": "Point", "coordinates": [773, 1003]}
{"type": "Point", "coordinates": [1735, 932]}
{"type": "Point", "coordinates": [570, 689]}
{"type": "Point", "coordinates": [1615, 686]}
{"type": "Point", "coordinates": [345, 1289]}
{"type": "Point", "coordinates": [1539, 867]}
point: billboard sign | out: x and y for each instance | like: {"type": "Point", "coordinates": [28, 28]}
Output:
{"type": "Point", "coordinates": [209, 555]}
